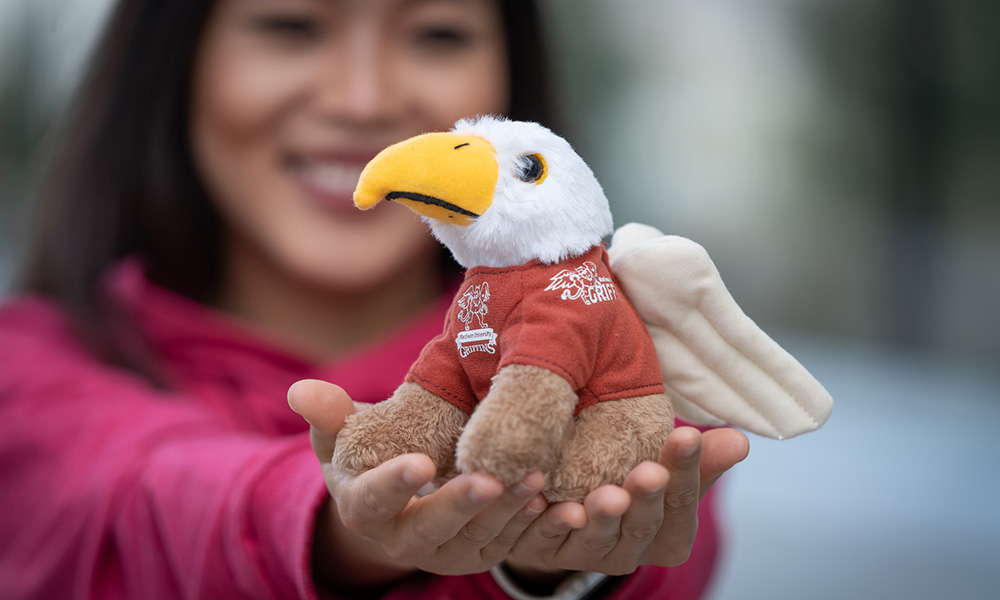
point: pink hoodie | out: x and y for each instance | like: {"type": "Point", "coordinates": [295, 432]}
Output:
{"type": "Point", "coordinates": [114, 489]}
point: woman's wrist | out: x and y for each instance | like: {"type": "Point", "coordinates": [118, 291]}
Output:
{"type": "Point", "coordinates": [530, 583]}
{"type": "Point", "coordinates": [537, 581]}
{"type": "Point", "coordinates": [344, 560]}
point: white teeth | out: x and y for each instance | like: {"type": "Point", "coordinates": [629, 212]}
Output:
{"type": "Point", "coordinates": [333, 178]}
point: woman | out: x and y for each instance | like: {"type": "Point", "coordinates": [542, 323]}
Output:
{"type": "Point", "coordinates": [198, 253]}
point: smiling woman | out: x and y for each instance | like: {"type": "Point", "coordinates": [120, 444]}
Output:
{"type": "Point", "coordinates": [273, 105]}
{"type": "Point", "coordinates": [306, 93]}
{"type": "Point", "coordinates": [290, 100]}
{"type": "Point", "coordinates": [197, 253]}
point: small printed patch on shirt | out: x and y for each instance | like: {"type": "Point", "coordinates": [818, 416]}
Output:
{"type": "Point", "coordinates": [584, 284]}
{"type": "Point", "coordinates": [474, 308]}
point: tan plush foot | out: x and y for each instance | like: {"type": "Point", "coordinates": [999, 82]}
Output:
{"type": "Point", "coordinates": [606, 442]}
{"type": "Point", "coordinates": [518, 425]}
{"type": "Point", "coordinates": [412, 420]}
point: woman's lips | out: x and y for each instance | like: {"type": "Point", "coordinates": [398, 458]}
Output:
{"type": "Point", "coordinates": [330, 182]}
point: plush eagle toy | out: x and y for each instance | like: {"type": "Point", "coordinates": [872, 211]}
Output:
{"type": "Point", "coordinates": [548, 359]}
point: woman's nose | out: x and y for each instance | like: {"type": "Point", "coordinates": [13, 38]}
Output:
{"type": "Point", "coordinates": [363, 89]}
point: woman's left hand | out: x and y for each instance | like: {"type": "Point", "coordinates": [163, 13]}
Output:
{"type": "Point", "coordinates": [651, 519]}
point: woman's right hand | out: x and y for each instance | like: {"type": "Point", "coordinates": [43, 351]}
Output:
{"type": "Point", "coordinates": [375, 528]}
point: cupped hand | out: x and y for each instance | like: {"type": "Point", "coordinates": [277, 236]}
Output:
{"type": "Point", "coordinates": [652, 519]}
{"type": "Point", "coordinates": [377, 522]}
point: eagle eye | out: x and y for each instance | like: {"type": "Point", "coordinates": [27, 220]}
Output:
{"type": "Point", "coordinates": [531, 168]}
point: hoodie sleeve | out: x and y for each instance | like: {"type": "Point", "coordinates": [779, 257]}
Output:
{"type": "Point", "coordinates": [113, 489]}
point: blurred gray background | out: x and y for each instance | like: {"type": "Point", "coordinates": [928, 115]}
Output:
{"type": "Point", "coordinates": [840, 160]}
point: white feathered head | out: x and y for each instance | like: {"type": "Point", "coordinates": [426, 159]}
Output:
{"type": "Point", "coordinates": [495, 192]}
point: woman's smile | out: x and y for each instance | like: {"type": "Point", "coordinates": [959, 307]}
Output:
{"type": "Point", "coordinates": [327, 181]}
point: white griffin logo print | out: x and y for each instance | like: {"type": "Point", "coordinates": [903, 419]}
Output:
{"type": "Point", "coordinates": [473, 305]}
{"type": "Point", "coordinates": [583, 283]}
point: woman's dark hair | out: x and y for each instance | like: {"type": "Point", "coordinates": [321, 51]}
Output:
{"type": "Point", "coordinates": [530, 73]}
{"type": "Point", "coordinates": [123, 182]}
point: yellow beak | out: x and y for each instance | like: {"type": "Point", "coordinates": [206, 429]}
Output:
{"type": "Point", "coordinates": [444, 176]}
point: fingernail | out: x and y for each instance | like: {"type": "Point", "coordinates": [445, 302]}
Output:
{"type": "Point", "coordinates": [478, 493]}
{"type": "Point", "coordinates": [523, 490]}
{"type": "Point", "coordinates": [657, 492]}
{"type": "Point", "coordinates": [688, 451]}
{"type": "Point", "coordinates": [565, 526]}
{"type": "Point", "coordinates": [411, 476]}
{"type": "Point", "coordinates": [535, 507]}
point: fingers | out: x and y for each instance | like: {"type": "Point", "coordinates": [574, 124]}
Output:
{"type": "Point", "coordinates": [373, 501]}
{"type": "Point", "coordinates": [681, 455]}
{"type": "Point", "coordinates": [722, 449]}
{"type": "Point", "coordinates": [502, 544]}
{"type": "Point", "coordinates": [695, 461]}
{"type": "Point", "coordinates": [493, 532]}
{"type": "Point", "coordinates": [646, 484]}
{"type": "Point", "coordinates": [466, 526]}
{"type": "Point", "coordinates": [324, 406]}
{"type": "Point", "coordinates": [588, 545]}
{"type": "Point", "coordinates": [449, 511]}
{"type": "Point", "coordinates": [651, 519]}
{"type": "Point", "coordinates": [608, 533]}
{"type": "Point", "coordinates": [540, 542]}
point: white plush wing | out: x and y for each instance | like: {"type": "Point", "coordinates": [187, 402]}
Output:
{"type": "Point", "coordinates": [717, 364]}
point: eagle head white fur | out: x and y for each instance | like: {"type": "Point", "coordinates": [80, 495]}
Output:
{"type": "Point", "coordinates": [496, 192]}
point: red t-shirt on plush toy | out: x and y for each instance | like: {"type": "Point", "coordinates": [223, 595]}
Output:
{"type": "Point", "coordinates": [569, 318]}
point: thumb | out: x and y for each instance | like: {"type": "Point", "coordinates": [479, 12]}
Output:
{"type": "Point", "coordinates": [324, 406]}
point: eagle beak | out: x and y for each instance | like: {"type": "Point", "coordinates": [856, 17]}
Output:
{"type": "Point", "coordinates": [444, 176]}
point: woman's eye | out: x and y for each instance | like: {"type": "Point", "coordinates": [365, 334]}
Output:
{"type": "Point", "coordinates": [531, 168]}
{"type": "Point", "coordinates": [442, 38]}
{"type": "Point", "coordinates": [288, 27]}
